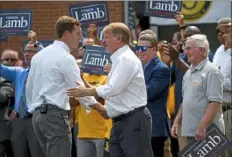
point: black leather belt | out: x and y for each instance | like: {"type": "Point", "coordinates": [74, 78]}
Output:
{"type": "Point", "coordinates": [27, 116]}
{"type": "Point", "coordinates": [123, 116]}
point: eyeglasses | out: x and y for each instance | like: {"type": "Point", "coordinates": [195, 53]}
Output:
{"type": "Point", "coordinates": [142, 48]}
{"type": "Point", "coordinates": [9, 59]}
{"type": "Point", "coordinates": [31, 51]}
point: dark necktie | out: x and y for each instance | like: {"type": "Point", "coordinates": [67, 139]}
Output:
{"type": "Point", "coordinates": [22, 102]}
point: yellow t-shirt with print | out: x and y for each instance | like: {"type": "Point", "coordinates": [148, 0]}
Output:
{"type": "Point", "coordinates": [91, 125]}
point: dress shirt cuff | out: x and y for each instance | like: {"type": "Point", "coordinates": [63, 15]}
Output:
{"type": "Point", "coordinates": [87, 100]}
{"type": "Point", "coordinates": [101, 92]}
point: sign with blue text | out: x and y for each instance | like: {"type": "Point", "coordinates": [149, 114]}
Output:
{"type": "Point", "coordinates": [213, 144]}
{"type": "Point", "coordinates": [163, 9]}
{"type": "Point", "coordinates": [90, 13]}
{"type": "Point", "coordinates": [15, 22]}
{"type": "Point", "coordinates": [94, 60]}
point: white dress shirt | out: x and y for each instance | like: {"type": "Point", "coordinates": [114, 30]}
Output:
{"type": "Point", "coordinates": [125, 89]}
{"type": "Point", "coordinates": [222, 59]}
{"type": "Point", "coordinates": [53, 70]}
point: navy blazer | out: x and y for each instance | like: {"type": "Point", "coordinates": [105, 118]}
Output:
{"type": "Point", "coordinates": [157, 78]}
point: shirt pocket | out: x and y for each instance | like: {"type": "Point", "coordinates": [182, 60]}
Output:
{"type": "Point", "coordinates": [198, 88]}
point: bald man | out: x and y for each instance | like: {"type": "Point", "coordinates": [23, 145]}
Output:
{"type": "Point", "coordinates": [23, 135]}
{"type": "Point", "coordinates": [9, 57]}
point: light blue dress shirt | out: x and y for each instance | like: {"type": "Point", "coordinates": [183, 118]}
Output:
{"type": "Point", "coordinates": [17, 76]}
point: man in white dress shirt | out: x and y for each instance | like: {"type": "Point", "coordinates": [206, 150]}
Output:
{"type": "Point", "coordinates": [53, 71]}
{"type": "Point", "coordinates": [226, 71]}
{"type": "Point", "coordinates": [126, 95]}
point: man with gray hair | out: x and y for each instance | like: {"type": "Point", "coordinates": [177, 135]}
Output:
{"type": "Point", "coordinates": [202, 93]}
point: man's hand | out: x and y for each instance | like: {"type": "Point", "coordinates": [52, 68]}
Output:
{"type": "Point", "coordinates": [175, 130]}
{"type": "Point", "coordinates": [76, 92]}
{"type": "Point", "coordinates": [101, 109]}
{"type": "Point", "coordinates": [180, 19]}
{"type": "Point", "coordinates": [170, 51]}
{"type": "Point", "coordinates": [32, 36]}
{"type": "Point", "coordinates": [200, 132]}
{"type": "Point", "coordinates": [12, 115]}
{"type": "Point", "coordinates": [74, 102]}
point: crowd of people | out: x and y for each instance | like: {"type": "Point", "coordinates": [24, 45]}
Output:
{"type": "Point", "coordinates": [155, 91]}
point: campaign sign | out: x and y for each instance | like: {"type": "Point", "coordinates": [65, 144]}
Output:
{"type": "Point", "coordinates": [213, 145]}
{"type": "Point", "coordinates": [94, 60]}
{"type": "Point", "coordinates": [90, 13]}
{"type": "Point", "coordinates": [164, 9]}
{"type": "Point", "coordinates": [15, 22]}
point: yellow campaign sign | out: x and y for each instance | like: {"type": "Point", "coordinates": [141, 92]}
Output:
{"type": "Point", "coordinates": [195, 10]}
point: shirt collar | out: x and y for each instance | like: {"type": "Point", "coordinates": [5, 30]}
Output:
{"type": "Point", "coordinates": [62, 44]}
{"type": "Point", "coordinates": [117, 53]}
{"type": "Point", "coordinates": [200, 65]}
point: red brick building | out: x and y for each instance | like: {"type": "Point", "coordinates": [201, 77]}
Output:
{"type": "Point", "coordinates": [45, 15]}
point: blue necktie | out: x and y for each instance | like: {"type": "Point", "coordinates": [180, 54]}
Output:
{"type": "Point", "coordinates": [22, 102]}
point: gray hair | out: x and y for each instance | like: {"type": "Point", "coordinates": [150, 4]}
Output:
{"type": "Point", "coordinates": [224, 20]}
{"type": "Point", "coordinates": [200, 41]}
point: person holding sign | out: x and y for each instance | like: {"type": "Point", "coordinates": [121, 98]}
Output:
{"type": "Point", "coordinates": [125, 95]}
{"type": "Point", "coordinates": [91, 125]}
{"type": "Point", "coordinates": [202, 93]}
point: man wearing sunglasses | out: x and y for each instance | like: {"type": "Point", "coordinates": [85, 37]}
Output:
{"type": "Point", "coordinates": [157, 79]}
{"type": "Point", "coordinates": [23, 135]}
{"type": "Point", "coordinates": [9, 57]}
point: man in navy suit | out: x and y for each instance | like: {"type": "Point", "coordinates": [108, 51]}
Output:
{"type": "Point", "coordinates": [157, 79]}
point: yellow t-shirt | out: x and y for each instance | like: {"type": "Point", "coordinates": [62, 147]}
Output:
{"type": "Point", "coordinates": [91, 125]}
{"type": "Point", "coordinates": [171, 98]}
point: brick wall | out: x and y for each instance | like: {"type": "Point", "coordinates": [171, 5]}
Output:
{"type": "Point", "coordinates": [45, 15]}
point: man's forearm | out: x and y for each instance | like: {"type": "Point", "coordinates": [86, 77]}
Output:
{"type": "Point", "coordinates": [179, 115]}
{"type": "Point", "coordinates": [90, 92]}
{"type": "Point", "coordinates": [181, 64]}
{"type": "Point", "coordinates": [210, 113]}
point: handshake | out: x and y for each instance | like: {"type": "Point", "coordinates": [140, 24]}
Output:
{"type": "Point", "coordinates": [82, 91]}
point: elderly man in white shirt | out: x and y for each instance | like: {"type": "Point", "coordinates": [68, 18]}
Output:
{"type": "Point", "coordinates": [52, 71]}
{"type": "Point", "coordinates": [125, 92]}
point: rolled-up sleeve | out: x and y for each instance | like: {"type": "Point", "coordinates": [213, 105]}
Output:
{"type": "Point", "coordinates": [214, 88]}
{"type": "Point", "coordinates": [119, 79]}
{"type": "Point", "coordinates": [72, 76]}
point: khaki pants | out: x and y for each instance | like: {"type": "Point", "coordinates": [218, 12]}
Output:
{"type": "Point", "coordinates": [228, 130]}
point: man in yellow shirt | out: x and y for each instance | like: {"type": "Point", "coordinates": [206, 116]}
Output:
{"type": "Point", "coordinates": [91, 125]}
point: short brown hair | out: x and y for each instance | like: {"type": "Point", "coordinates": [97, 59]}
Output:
{"type": "Point", "coordinates": [118, 28]}
{"type": "Point", "coordinates": [65, 23]}
{"type": "Point", "coordinates": [149, 37]}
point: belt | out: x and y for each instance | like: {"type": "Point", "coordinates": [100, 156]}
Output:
{"type": "Point", "coordinates": [51, 107]}
{"type": "Point", "coordinates": [123, 116]}
{"type": "Point", "coordinates": [27, 115]}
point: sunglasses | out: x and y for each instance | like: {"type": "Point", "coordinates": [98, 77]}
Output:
{"type": "Point", "coordinates": [9, 59]}
{"type": "Point", "coordinates": [142, 48]}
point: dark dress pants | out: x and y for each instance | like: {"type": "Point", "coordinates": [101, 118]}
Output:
{"type": "Point", "coordinates": [131, 135]}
